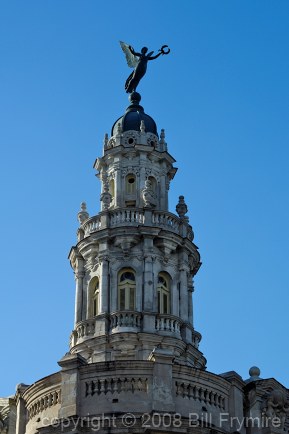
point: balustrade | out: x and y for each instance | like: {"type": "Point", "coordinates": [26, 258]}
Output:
{"type": "Point", "coordinates": [125, 319]}
{"type": "Point", "coordinates": [168, 323]}
{"type": "Point", "coordinates": [126, 216]}
{"type": "Point", "coordinates": [136, 217]}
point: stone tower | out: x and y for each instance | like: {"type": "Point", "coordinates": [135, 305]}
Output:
{"type": "Point", "coordinates": [134, 261]}
{"type": "Point", "coordinates": [134, 365]}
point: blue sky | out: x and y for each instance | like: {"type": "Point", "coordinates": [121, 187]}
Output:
{"type": "Point", "coordinates": [221, 95]}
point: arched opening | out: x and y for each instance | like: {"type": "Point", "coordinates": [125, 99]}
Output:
{"type": "Point", "coordinates": [126, 289]}
{"type": "Point", "coordinates": [130, 184]}
{"type": "Point", "coordinates": [94, 296]}
{"type": "Point", "coordinates": [163, 289]}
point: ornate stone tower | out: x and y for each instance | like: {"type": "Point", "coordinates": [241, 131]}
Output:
{"type": "Point", "coordinates": [134, 261]}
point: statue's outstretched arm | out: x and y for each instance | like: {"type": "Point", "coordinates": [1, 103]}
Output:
{"type": "Point", "coordinates": [133, 52]}
{"type": "Point", "coordinates": [163, 50]}
{"type": "Point", "coordinates": [154, 57]}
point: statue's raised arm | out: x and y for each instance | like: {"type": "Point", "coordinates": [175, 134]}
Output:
{"type": "Point", "coordinates": [138, 61]}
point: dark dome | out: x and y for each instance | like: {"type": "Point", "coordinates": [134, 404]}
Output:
{"type": "Point", "coordinates": [133, 116]}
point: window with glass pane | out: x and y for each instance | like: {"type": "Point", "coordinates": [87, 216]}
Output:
{"type": "Point", "coordinates": [163, 294]}
{"type": "Point", "coordinates": [95, 296]}
{"type": "Point", "coordinates": [126, 289]}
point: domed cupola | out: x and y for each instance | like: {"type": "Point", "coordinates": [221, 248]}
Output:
{"type": "Point", "coordinates": [133, 116]}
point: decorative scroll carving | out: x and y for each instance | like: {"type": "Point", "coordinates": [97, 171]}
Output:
{"type": "Point", "coordinates": [276, 406]}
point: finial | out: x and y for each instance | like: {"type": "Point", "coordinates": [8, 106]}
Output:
{"type": "Point", "coordinates": [254, 373]}
{"type": "Point", "coordinates": [119, 128]}
{"type": "Point", "coordinates": [162, 140]}
{"type": "Point", "coordinates": [182, 208]}
{"type": "Point", "coordinates": [83, 214]}
{"type": "Point", "coordinates": [142, 126]}
{"type": "Point", "coordinates": [105, 141]}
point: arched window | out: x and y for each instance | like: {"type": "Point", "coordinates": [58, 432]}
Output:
{"type": "Point", "coordinates": [130, 184]}
{"type": "Point", "coordinates": [126, 289]}
{"type": "Point", "coordinates": [163, 293]}
{"type": "Point", "coordinates": [95, 296]}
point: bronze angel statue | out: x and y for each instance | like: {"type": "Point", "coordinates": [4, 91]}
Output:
{"type": "Point", "coordinates": [139, 62]}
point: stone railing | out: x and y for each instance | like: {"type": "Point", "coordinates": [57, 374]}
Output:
{"type": "Point", "coordinates": [92, 225]}
{"type": "Point", "coordinates": [115, 385]}
{"type": "Point", "coordinates": [135, 217]}
{"type": "Point", "coordinates": [196, 338]}
{"type": "Point", "coordinates": [166, 220]}
{"type": "Point", "coordinates": [45, 401]}
{"type": "Point", "coordinates": [128, 319]}
{"type": "Point", "coordinates": [203, 394]}
{"type": "Point", "coordinates": [168, 323]}
{"type": "Point", "coordinates": [126, 216]}
{"type": "Point", "coordinates": [123, 321]}
{"type": "Point", "coordinates": [85, 328]}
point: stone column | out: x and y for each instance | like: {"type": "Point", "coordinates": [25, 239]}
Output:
{"type": "Point", "coordinates": [20, 410]}
{"type": "Point", "coordinates": [163, 388]}
{"type": "Point", "coordinates": [191, 311]}
{"type": "Point", "coordinates": [118, 189]}
{"type": "Point", "coordinates": [104, 285]}
{"type": "Point", "coordinates": [70, 386]}
{"type": "Point", "coordinates": [148, 283]}
{"type": "Point", "coordinates": [175, 294]}
{"type": "Point", "coordinates": [183, 294]}
{"type": "Point", "coordinates": [163, 201]}
{"type": "Point", "coordinates": [79, 275]}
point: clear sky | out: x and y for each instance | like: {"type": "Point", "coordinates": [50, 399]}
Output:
{"type": "Point", "coordinates": [222, 95]}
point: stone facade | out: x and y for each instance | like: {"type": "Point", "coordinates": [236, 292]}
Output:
{"type": "Point", "coordinates": [134, 363]}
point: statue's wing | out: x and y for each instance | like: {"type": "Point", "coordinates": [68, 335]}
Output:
{"type": "Point", "coordinates": [132, 60]}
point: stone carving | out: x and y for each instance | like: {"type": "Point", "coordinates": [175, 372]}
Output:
{"type": "Point", "coordinates": [276, 406]}
{"type": "Point", "coordinates": [149, 196]}
{"type": "Point", "coordinates": [106, 197]}
{"type": "Point", "coordinates": [83, 215]}
{"type": "Point", "coordinates": [130, 169]}
{"type": "Point", "coordinates": [119, 129]}
{"type": "Point", "coordinates": [111, 143]}
{"type": "Point", "coordinates": [3, 424]}
{"type": "Point", "coordinates": [130, 138]}
{"type": "Point", "coordinates": [182, 209]}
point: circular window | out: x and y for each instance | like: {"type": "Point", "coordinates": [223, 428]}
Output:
{"type": "Point", "coordinates": [130, 141]}
{"type": "Point", "coordinates": [130, 180]}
